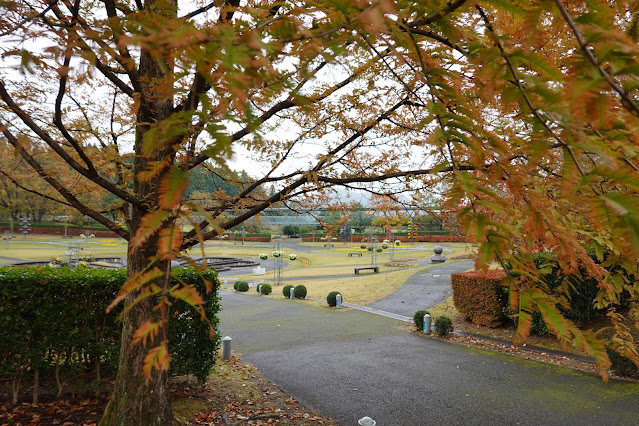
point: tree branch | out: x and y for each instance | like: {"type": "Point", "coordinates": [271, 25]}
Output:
{"type": "Point", "coordinates": [72, 200]}
{"type": "Point", "coordinates": [627, 102]}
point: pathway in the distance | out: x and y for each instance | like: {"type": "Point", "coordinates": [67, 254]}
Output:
{"type": "Point", "coordinates": [422, 290]}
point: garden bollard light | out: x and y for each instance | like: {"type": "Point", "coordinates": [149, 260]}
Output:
{"type": "Point", "coordinates": [259, 289]}
{"type": "Point", "coordinates": [292, 293]}
{"type": "Point", "coordinates": [427, 323]}
{"type": "Point", "coordinates": [366, 421]}
{"type": "Point", "coordinates": [338, 301]}
{"type": "Point", "coordinates": [226, 348]}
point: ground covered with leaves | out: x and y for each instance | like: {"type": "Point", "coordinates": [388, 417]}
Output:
{"type": "Point", "coordinates": [235, 394]}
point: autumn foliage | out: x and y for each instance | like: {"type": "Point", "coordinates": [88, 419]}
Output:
{"type": "Point", "coordinates": [480, 296]}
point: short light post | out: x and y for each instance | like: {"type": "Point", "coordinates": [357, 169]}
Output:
{"type": "Point", "coordinates": [427, 323]}
{"type": "Point", "coordinates": [338, 301]}
{"type": "Point", "coordinates": [226, 348]}
{"type": "Point", "coordinates": [292, 293]}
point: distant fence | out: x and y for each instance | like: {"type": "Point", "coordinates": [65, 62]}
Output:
{"type": "Point", "coordinates": [58, 231]}
{"type": "Point", "coordinates": [418, 239]}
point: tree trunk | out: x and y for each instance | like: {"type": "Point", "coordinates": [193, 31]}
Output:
{"type": "Point", "coordinates": [136, 400]}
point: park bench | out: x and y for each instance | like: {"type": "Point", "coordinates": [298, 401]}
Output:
{"type": "Point", "coordinates": [375, 269]}
{"type": "Point", "coordinates": [354, 254]}
{"type": "Point", "coordinates": [329, 245]}
{"type": "Point", "coordinates": [236, 243]}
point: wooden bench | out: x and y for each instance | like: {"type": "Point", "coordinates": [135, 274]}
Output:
{"type": "Point", "coordinates": [329, 245]}
{"type": "Point", "coordinates": [375, 269]}
{"type": "Point", "coordinates": [237, 243]}
{"type": "Point", "coordinates": [354, 254]}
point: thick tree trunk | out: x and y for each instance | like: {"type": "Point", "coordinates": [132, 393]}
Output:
{"type": "Point", "coordinates": [136, 400]}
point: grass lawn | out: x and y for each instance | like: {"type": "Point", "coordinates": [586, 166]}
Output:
{"type": "Point", "coordinates": [50, 246]}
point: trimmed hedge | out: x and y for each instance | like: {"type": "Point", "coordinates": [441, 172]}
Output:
{"type": "Point", "coordinates": [480, 297]}
{"type": "Point", "coordinates": [264, 289]}
{"type": "Point", "coordinates": [443, 326]}
{"type": "Point", "coordinates": [241, 286]}
{"type": "Point", "coordinates": [299, 292]}
{"type": "Point", "coordinates": [418, 319]}
{"type": "Point", "coordinates": [287, 290]}
{"type": "Point", "coordinates": [50, 316]}
{"type": "Point", "coordinates": [331, 299]}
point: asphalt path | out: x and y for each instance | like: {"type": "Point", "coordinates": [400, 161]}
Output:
{"type": "Point", "coordinates": [422, 290]}
{"type": "Point", "coordinates": [349, 364]}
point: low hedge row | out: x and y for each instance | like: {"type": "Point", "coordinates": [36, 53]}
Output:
{"type": "Point", "coordinates": [53, 321]}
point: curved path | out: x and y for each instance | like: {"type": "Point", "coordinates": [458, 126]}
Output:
{"type": "Point", "coordinates": [422, 290]}
{"type": "Point", "coordinates": [349, 364]}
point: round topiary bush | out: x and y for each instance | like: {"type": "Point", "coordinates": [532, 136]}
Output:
{"type": "Point", "coordinates": [379, 250]}
{"type": "Point", "coordinates": [331, 299]}
{"type": "Point", "coordinates": [287, 291]}
{"type": "Point", "coordinates": [292, 256]}
{"type": "Point", "coordinates": [264, 289]}
{"type": "Point", "coordinates": [443, 326]}
{"type": "Point", "coordinates": [241, 286]}
{"type": "Point", "coordinates": [398, 243]}
{"type": "Point", "coordinates": [299, 292]}
{"type": "Point", "coordinates": [235, 285]}
{"type": "Point", "coordinates": [363, 246]}
{"type": "Point", "coordinates": [418, 319]}
{"type": "Point", "coordinates": [385, 245]}
{"type": "Point", "coordinates": [263, 256]}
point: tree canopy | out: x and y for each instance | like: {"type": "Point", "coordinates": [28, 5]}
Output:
{"type": "Point", "coordinates": [525, 112]}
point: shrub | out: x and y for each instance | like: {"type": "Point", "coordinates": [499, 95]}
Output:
{"type": "Point", "coordinates": [576, 288]}
{"type": "Point", "coordinates": [379, 250]}
{"type": "Point", "coordinates": [363, 246]}
{"type": "Point", "coordinates": [263, 256]}
{"type": "Point", "coordinates": [538, 325]}
{"type": "Point", "coordinates": [620, 364]}
{"type": "Point", "coordinates": [68, 316]}
{"type": "Point", "coordinates": [299, 292]}
{"type": "Point", "coordinates": [384, 245]}
{"type": "Point", "coordinates": [443, 326]}
{"type": "Point", "coordinates": [287, 291]}
{"type": "Point", "coordinates": [398, 243]}
{"type": "Point", "coordinates": [235, 285]}
{"type": "Point", "coordinates": [331, 299]}
{"type": "Point", "coordinates": [264, 289]}
{"type": "Point", "coordinates": [480, 296]}
{"type": "Point", "coordinates": [292, 256]}
{"type": "Point", "coordinates": [241, 286]}
{"type": "Point", "coordinates": [418, 319]}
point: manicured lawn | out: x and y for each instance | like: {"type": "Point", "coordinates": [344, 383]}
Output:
{"type": "Point", "coordinates": [50, 246]}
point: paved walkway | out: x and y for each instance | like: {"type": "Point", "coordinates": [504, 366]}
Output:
{"type": "Point", "coordinates": [349, 364]}
{"type": "Point", "coordinates": [422, 290]}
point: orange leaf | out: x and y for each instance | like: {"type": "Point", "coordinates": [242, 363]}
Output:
{"type": "Point", "coordinates": [157, 358]}
{"type": "Point", "coordinates": [146, 330]}
{"type": "Point", "coordinates": [172, 187]}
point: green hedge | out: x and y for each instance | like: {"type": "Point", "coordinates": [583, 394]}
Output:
{"type": "Point", "coordinates": [57, 316]}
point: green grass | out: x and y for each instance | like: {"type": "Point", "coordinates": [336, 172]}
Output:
{"type": "Point", "coordinates": [37, 247]}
